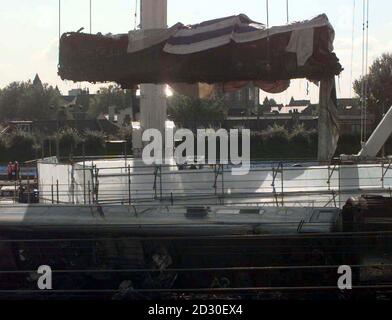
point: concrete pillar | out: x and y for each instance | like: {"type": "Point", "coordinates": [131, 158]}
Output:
{"type": "Point", "coordinates": [328, 126]}
{"type": "Point", "coordinates": [153, 108]}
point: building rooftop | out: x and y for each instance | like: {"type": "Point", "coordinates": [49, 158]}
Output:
{"type": "Point", "coordinates": [292, 109]}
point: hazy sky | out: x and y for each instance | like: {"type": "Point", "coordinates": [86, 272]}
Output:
{"type": "Point", "coordinates": [29, 31]}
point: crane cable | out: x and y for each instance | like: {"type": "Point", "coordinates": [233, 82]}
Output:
{"type": "Point", "coordinates": [91, 17]}
{"type": "Point", "coordinates": [367, 71]}
{"type": "Point", "coordinates": [363, 71]}
{"type": "Point", "coordinates": [59, 21]}
{"type": "Point", "coordinates": [352, 51]}
{"type": "Point", "coordinates": [365, 61]}
{"type": "Point", "coordinates": [135, 25]}
{"type": "Point", "coordinates": [59, 17]}
{"type": "Point", "coordinates": [268, 37]}
{"type": "Point", "coordinates": [287, 11]}
{"type": "Point", "coordinates": [267, 12]}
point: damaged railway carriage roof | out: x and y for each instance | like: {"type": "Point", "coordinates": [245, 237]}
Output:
{"type": "Point", "coordinates": [228, 49]}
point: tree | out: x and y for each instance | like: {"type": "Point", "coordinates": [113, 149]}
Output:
{"type": "Point", "coordinates": [113, 95]}
{"type": "Point", "coordinates": [269, 102]}
{"type": "Point", "coordinates": [94, 142]}
{"type": "Point", "coordinates": [272, 102]}
{"type": "Point", "coordinates": [193, 113]}
{"type": "Point", "coordinates": [378, 85]}
{"type": "Point", "coordinates": [25, 101]}
{"type": "Point", "coordinates": [69, 140]}
{"type": "Point", "coordinates": [266, 106]}
{"type": "Point", "coordinates": [20, 146]}
{"type": "Point", "coordinates": [276, 141]}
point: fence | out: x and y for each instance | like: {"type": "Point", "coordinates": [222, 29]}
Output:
{"type": "Point", "coordinates": [130, 181]}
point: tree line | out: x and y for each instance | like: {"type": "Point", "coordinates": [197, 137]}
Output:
{"type": "Point", "coordinates": [23, 146]}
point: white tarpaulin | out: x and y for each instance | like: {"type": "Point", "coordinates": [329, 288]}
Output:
{"type": "Point", "coordinates": [211, 34]}
{"type": "Point", "coordinates": [138, 183]}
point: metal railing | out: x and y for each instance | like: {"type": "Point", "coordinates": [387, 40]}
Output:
{"type": "Point", "coordinates": [87, 271]}
{"type": "Point", "coordinates": [277, 185]}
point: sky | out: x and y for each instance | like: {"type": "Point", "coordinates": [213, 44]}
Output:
{"type": "Point", "coordinates": [29, 32]}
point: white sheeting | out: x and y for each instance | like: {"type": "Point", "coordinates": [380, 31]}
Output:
{"type": "Point", "coordinates": [63, 183]}
{"type": "Point", "coordinates": [142, 39]}
{"type": "Point", "coordinates": [54, 182]}
{"type": "Point", "coordinates": [301, 41]}
{"type": "Point", "coordinates": [307, 186]}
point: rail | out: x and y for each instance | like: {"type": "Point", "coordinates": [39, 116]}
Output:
{"type": "Point", "coordinates": [88, 275]}
{"type": "Point", "coordinates": [278, 185]}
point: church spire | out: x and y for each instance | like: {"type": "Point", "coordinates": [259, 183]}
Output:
{"type": "Point", "coordinates": [37, 82]}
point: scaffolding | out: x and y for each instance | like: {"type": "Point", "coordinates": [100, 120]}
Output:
{"type": "Point", "coordinates": [112, 182]}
